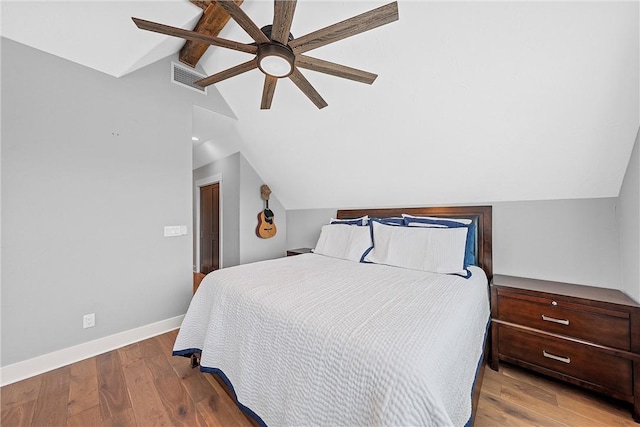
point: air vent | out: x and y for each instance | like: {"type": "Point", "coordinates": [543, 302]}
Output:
{"type": "Point", "coordinates": [186, 77]}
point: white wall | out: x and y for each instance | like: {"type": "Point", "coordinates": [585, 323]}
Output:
{"type": "Point", "coordinates": [511, 100]}
{"type": "Point", "coordinates": [565, 240]}
{"type": "Point", "coordinates": [629, 219]}
{"type": "Point", "coordinates": [93, 168]}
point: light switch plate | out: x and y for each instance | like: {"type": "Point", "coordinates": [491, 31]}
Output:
{"type": "Point", "coordinates": [175, 230]}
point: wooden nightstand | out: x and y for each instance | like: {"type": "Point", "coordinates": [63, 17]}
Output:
{"type": "Point", "coordinates": [299, 251]}
{"type": "Point", "coordinates": [583, 335]}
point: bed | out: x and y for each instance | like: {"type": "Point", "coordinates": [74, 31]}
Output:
{"type": "Point", "coordinates": [322, 340]}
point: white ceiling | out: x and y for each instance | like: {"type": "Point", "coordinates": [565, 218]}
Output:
{"type": "Point", "coordinates": [475, 102]}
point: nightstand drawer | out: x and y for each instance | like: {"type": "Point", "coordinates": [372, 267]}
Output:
{"type": "Point", "coordinates": [577, 360]}
{"type": "Point", "coordinates": [605, 327]}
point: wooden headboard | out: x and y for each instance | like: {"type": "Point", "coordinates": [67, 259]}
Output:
{"type": "Point", "coordinates": [480, 214]}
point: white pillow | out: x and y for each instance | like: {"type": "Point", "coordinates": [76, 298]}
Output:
{"type": "Point", "coordinates": [343, 241]}
{"type": "Point", "coordinates": [440, 222]}
{"type": "Point", "coordinates": [438, 250]}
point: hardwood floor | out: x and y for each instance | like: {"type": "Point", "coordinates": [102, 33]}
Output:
{"type": "Point", "coordinates": [137, 385]}
{"type": "Point", "coordinates": [143, 385]}
{"type": "Point", "coordinates": [516, 397]}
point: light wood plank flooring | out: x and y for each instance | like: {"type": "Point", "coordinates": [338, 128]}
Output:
{"type": "Point", "coordinates": [516, 397]}
{"type": "Point", "coordinates": [143, 385]}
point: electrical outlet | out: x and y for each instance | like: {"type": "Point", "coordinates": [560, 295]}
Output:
{"type": "Point", "coordinates": [89, 320]}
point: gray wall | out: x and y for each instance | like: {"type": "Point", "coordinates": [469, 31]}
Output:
{"type": "Point", "coordinates": [566, 240]}
{"type": "Point", "coordinates": [303, 226]}
{"type": "Point", "coordinates": [229, 169]}
{"type": "Point", "coordinates": [93, 168]}
{"type": "Point", "coordinates": [629, 217]}
{"type": "Point", "coordinates": [241, 203]}
{"type": "Point", "coordinates": [573, 241]}
{"type": "Point", "coordinates": [252, 247]}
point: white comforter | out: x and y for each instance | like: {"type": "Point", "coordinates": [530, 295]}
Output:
{"type": "Point", "coordinates": [313, 340]}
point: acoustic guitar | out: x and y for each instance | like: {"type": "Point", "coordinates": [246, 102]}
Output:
{"type": "Point", "coordinates": [266, 226]}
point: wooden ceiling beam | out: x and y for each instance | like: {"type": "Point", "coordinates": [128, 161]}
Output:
{"type": "Point", "coordinates": [212, 21]}
{"type": "Point", "coordinates": [202, 4]}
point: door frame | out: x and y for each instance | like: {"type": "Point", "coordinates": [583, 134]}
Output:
{"type": "Point", "coordinates": [203, 182]}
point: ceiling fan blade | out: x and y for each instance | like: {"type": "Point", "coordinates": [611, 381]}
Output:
{"type": "Point", "coordinates": [334, 69]}
{"type": "Point", "coordinates": [192, 35]}
{"type": "Point", "coordinates": [304, 85]}
{"type": "Point", "coordinates": [347, 28]}
{"type": "Point", "coordinates": [282, 17]}
{"type": "Point", "coordinates": [267, 92]}
{"type": "Point", "coordinates": [230, 72]}
{"type": "Point", "coordinates": [244, 21]}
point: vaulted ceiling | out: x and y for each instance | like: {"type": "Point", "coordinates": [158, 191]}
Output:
{"type": "Point", "coordinates": [475, 101]}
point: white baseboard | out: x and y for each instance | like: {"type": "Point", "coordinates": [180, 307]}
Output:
{"type": "Point", "coordinates": [50, 361]}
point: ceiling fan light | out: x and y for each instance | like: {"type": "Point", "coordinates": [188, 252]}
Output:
{"type": "Point", "coordinates": [275, 60]}
{"type": "Point", "coordinates": [275, 66]}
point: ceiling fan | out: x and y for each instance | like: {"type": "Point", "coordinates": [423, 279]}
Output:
{"type": "Point", "coordinates": [277, 53]}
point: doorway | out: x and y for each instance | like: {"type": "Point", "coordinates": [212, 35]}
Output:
{"type": "Point", "coordinates": [209, 242]}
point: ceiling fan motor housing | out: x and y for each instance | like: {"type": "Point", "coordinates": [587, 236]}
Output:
{"type": "Point", "coordinates": [267, 29]}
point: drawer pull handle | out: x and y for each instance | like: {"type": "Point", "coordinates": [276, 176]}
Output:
{"type": "Point", "coordinates": [554, 320]}
{"type": "Point", "coordinates": [554, 357]}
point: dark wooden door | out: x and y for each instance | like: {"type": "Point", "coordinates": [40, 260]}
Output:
{"type": "Point", "coordinates": [209, 228]}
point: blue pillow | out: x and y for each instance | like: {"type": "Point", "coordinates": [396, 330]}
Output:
{"type": "Point", "coordinates": [357, 221]}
